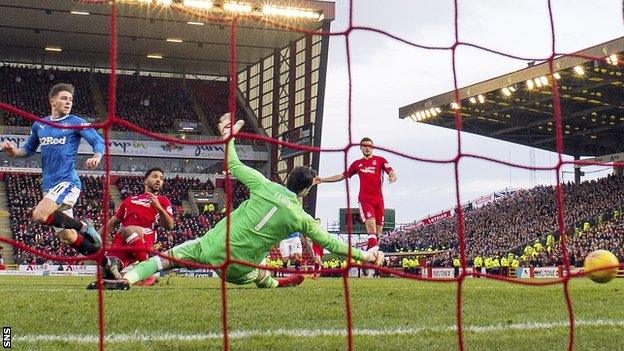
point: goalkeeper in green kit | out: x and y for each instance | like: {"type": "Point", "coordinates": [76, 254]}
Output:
{"type": "Point", "coordinates": [270, 214]}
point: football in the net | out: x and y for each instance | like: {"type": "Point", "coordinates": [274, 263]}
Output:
{"type": "Point", "coordinates": [601, 266]}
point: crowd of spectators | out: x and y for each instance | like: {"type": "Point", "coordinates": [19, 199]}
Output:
{"type": "Point", "coordinates": [608, 236]}
{"type": "Point", "coordinates": [187, 226]}
{"type": "Point", "coordinates": [152, 103]}
{"type": "Point", "coordinates": [214, 99]}
{"type": "Point", "coordinates": [607, 233]}
{"type": "Point", "coordinates": [176, 189]}
{"type": "Point", "coordinates": [23, 194]}
{"type": "Point", "coordinates": [27, 89]}
{"type": "Point", "coordinates": [240, 192]}
{"type": "Point", "coordinates": [508, 224]}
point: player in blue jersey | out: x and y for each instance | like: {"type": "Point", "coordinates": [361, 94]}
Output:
{"type": "Point", "coordinates": [61, 184]}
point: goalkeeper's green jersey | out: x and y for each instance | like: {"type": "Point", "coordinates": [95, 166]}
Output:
{"type": "Point", "coordinates": [271, 213]}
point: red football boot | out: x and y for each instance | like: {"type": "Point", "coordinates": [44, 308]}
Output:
{"type": "Point", "coordinates": [147, 281]}
{"type": "Point", "coordinates": [291, 280]}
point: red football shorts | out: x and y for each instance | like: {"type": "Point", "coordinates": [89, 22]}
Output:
{"type": "Point", "coordinates": [372, 210]}
{"type": "Point", "coordinates": [317, 249]}
{"type": "Point", "coordinates": [125, 256]}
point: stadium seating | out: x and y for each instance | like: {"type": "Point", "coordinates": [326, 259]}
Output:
{"type": "Point", "coordinates": [176, 189]}
{"type": "Point", "coordinates": [240, 193]}
{"type": "Point", "coordinates": [149, 102]}
{"type": "Point", "coordinates": [510, 223]}
{"type": "Point", "coordinates": [214, 99]}
{"type": "Point", "coordinates": [607, 235]}
{"type": "Point", "coordinates": [187, 226]}
{"type": "Point", "coordinates": [27, 89]}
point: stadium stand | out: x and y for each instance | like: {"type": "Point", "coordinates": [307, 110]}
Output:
{"type": "Point", "coordinates": [508, 224]}
{"type": "Point", "coordinates": [187, 226]}
{"type": "Point", "coordinates": [27, 89]}
{"type": "Point", "coordinates": [143, 100]}
{"type": "Point", "coordinates": [213, 97]}
{"type": "Point", "coordinates": [605, 232]}
{"type": "Point", "coordinates": [176, 189]}
{"type": "Point", "coordinates": [150, 102]}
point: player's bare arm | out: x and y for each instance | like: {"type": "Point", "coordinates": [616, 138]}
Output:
{"type": "Point", "coordinates": [392, 177]}
{"type": "Point", "coordinates": [332, 179]}
{"type": "Point", "coordinates": [113, 223]}
{"type": "Point", "coordinates": [165, 219]}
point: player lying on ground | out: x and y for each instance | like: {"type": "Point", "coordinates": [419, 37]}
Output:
{"type": "Point", "coordinates": [270, 214]}
{"type": "Point", "coordinates": [138, 215]}
{"type": "Point", "coordinates": [60, 182]}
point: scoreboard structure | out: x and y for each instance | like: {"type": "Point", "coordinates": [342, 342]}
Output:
{"type": "Point", "coordinates": [302, 135]}
{"type": "Point", "coordinates": [358, 225]}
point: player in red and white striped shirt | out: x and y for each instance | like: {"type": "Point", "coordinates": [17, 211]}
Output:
{"type": "Point", "coordinates": [138, 216]}
{"type": "Point", "coordinates": [369, 168]}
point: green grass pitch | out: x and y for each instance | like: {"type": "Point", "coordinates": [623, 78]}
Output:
{"type": "Point", "coordinates": [57, 313]}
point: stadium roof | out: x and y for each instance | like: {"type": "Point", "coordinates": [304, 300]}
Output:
{"type": "Point", "coordinates": [29, 26]}
{"type": "Point", "coordinates": [518, 107]}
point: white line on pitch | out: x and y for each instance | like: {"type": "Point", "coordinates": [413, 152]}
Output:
{"type": "Point", "coordinates": [307, 333]}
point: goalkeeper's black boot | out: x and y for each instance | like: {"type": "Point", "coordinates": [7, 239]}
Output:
{"type": "Point", "coordinates": [110, 271]}
{"type": "Point", "coordinates": [111, 267]}
{"type": "Point", "coordinates": [111, 284]}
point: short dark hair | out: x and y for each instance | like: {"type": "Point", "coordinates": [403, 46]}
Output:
{"type": "Point", "coordinates": [299, 179]}
{"type": "Point", "coordinates": [153, 169]}
{"type": "Point", "coordinates": [61, 87]}
{"type": "Point", "coordinates": [366, 139]}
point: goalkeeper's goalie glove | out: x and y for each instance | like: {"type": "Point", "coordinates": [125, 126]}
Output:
{"type": "Point", "coordinates": [374, 256]}
{"type": "Point", "coordinates": [224, 126]}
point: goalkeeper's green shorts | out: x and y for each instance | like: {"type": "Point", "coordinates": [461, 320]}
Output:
{"type": "Point", "coordinates": [191, 251]}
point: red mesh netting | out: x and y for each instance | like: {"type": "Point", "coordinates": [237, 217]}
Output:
{"type": "Point", "coordinates": [113, 119]}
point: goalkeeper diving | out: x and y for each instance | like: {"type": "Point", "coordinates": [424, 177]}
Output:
{"type": "Point", "coordinates": [271, 214]}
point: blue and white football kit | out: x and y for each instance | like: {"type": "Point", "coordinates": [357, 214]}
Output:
{"type": "Point", "coordinates": [59, 149]}
{"type": "Point", "coordinates": [291, 245]}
